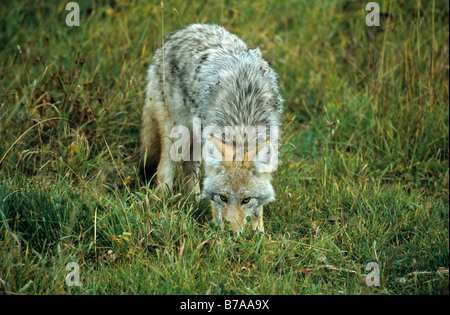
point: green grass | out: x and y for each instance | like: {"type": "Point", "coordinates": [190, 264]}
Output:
{"type": "Point", "coordinates": [365, 156]}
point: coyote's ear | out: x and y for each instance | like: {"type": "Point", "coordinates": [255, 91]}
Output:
{"type": "Point", "coordinates": [252, 154]}
{"type": "Point", "coordinates": [212, 156]}
{"type": "Point", "coordinates": [222, 150]}
{"type": "Point", "coordinates": [264, 157]}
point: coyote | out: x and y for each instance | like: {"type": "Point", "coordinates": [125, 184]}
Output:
{"type": "Point", "coordinates": [205, 84]}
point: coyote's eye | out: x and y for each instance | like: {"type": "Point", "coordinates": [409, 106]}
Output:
{"type": "Point", "coordinates": [246, 200]}
{"type": "Point", "coordinates": [223, 198]}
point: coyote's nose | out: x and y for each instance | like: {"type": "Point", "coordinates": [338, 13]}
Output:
{"type": "Point", "coordinates": [235, 218]}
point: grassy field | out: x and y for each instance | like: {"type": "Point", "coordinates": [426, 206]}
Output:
{"type": "Point", "coordinates": [365, 157]}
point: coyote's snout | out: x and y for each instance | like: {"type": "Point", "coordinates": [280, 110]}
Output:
{"type": "Point", "coordinates": [204, 73]}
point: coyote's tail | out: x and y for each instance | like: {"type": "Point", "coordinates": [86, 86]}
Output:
{"type": "Point", "coordinates": [150, 147]}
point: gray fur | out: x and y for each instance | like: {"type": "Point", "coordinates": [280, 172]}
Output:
{"type": "Point", "coordinates": [211, 74]}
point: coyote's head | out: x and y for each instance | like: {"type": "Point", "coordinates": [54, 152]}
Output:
{"type": "Point", "coordinates": [238, 189]}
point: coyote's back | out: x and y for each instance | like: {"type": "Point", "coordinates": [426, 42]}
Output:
{"type": "Point", "coordinates": [204, 80]}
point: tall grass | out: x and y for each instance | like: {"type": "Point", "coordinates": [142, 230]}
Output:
{"type": "Point", "coordinates": [365, 155]}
